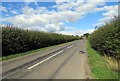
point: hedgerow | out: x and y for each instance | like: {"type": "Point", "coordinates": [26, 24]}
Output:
{"type": "Point", "coordinates": [106, 39]}
{"type": "Point", "coordinates": [16, 40]}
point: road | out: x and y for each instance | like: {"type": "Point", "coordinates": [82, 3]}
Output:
{"type": "Point", "coordinates": [60, 62]}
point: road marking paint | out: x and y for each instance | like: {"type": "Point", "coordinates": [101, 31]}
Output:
{"type": "Point", "coordinates": [45, 59]}
{"type": "Point", "coordinates": [70, 46]}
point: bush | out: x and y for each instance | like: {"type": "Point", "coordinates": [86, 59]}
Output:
{"type": "Point", "coordinates": [106, 39]}
{"type": "Point", "coordinates": [16, 40]}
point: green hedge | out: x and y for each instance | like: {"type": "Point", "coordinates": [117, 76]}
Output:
{"type": "Point", "coordinates": [16, 40]}
{"type": "Point", "coordinates": [106, 39]}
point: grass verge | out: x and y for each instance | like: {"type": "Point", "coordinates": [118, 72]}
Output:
{"type": "Point", "coordinates": [98, 65]}
{"type": "Point", "coordinates": [28, 52]}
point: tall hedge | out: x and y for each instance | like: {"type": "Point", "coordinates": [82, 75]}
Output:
{"type": "Point", "coordinates": [106, 39]}
{"type": "Point", "coordinates": [16, 40]}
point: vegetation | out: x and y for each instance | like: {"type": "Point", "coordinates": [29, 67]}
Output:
{"type": "Point", "coordinates": [16, 40]}
{"type": "Point", "coordinates": [106, 39]}
{"type": "Point", "coordinates": [86, 35]}
{"type": "Point", "coordinates": [29, 52]}
{"type": "Point", "coordinates": [98, 65]}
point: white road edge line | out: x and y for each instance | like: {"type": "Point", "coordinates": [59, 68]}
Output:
{"type": "Point", "coordinates": [45, 59]}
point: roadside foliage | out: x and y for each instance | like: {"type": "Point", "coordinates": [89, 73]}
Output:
{"type": "Point", "coordinates": [16, 40]}
{"type": "Point", "coordinates": [106, 39]}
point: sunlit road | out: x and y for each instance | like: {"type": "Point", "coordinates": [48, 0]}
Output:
{"type": "Point", "coordinates": [59, 62]}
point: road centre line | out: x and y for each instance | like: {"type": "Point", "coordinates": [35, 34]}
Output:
{"type": "Point", "coordinates": [70, 46]}
{"type": "Point", "coordinates": [45, 59]}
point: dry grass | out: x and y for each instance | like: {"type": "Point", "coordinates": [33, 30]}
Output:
{"type": "Point", "coordinates": [112, 63]}
{"type": "Point", "coordinates": [101, 67]}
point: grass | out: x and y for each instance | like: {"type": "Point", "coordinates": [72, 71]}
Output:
{"type": "Point", "coordinates": [112, 62]}
{"type": "Point", "coordinates": [98, 65]}
{"type": "Point", "coordinates": [27, 53]}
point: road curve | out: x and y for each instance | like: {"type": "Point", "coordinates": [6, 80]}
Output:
{"type": "Point", "coordinates": [60, 62]}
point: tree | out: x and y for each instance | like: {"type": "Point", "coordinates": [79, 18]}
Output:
{"type": "Point", "coordinates": [86, 35]}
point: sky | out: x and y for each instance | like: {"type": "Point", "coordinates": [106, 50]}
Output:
{"type": "Point", "coordinates": [70, 17]}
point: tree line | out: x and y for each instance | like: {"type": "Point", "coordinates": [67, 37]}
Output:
{"type": "Point", "coordinates": [15, 40]}
{"type": "Point", "coordinates": [106, 38]}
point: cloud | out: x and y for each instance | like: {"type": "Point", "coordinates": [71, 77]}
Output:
{"type": "Point", "coordinates": [69, 5]}
{"type": "Point", "coordinates": [89, 6]}
{"type": "Point", "coordinates": [65, 16]}
{"type": "Point", "coordinates": [41, 10]}
{"type": "Point", "coordinates": [106, 8]}
{"type": "Point", "coordinates": [54, 20]}
{"type": "Point", "coordinates": [14, 12]}
{"type": "Point", "coordinates": [3, 9]}
{"type": "Point", "coordinates": [50, 22]}
{"type": "Point", "coordinates": [110, 12]}
{"type": "Point", "coordinates": [27, 10]}
{"type": "Point", "coordinates": [79, 5]}
{"type": "Point", "coordinates": [54, 27]}
{"type": "Point", "coordinates": [29, 1]}
{"type": "Point", "coordinates": [7, 15]}
{"type": "Point", "coordinates": [77, 32]}
{"type": "Point", "coordinates": [61, 1]}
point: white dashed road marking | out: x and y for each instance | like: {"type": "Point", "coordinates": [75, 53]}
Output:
{"type": "Point", "coordinates": [70, 46]}
{"type": "Point", "coordinates": [45, 59]}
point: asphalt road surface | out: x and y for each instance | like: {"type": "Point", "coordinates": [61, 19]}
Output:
{"type": "Point", "coordinates": [67, 61]}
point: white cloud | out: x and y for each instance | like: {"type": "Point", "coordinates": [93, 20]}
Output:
{"type": "Point", "coordinates": [53, 21]}
{"type": "Point", "coordinates": [61, 1]}
{"type": "Point", "coordinates": [107, 8]}
{"type": "Point", "coordinates": [66, 16]}
{"type": "Point", "coordinates": [42, 10]}
{"type": "Point", "coordinates": [48, 22]}
{"type": "Point", "coordinates": [7, 15]}
{"type": "Point", "coordinates": [85, 8]}
{"type": "Point", "coordinates": [77, 32]}
{"type": "Point", "coordinates": [54, 27]}
{"type": "Point", "coordinates": [3, 9]}
{"type": "Point", "coordinates": [69, 5]}
{"type": "Point", "coordinates": [99, 24]}
{"type": "Point", "coordinates": [111, 11]}
{"type": "Point", "coordinates": [79, 5]}
{"type": "Point", "coordinates": [27, 10]}
{"type": "Point", "coordinates": [14, 12]}
{"type": "Point", "coordinates": [29, 1]}
{"type": "Point", "coordinates": [95, 1]}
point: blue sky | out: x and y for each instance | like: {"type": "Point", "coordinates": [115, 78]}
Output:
{"type": "Point", "coordinates": [74, 17]}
